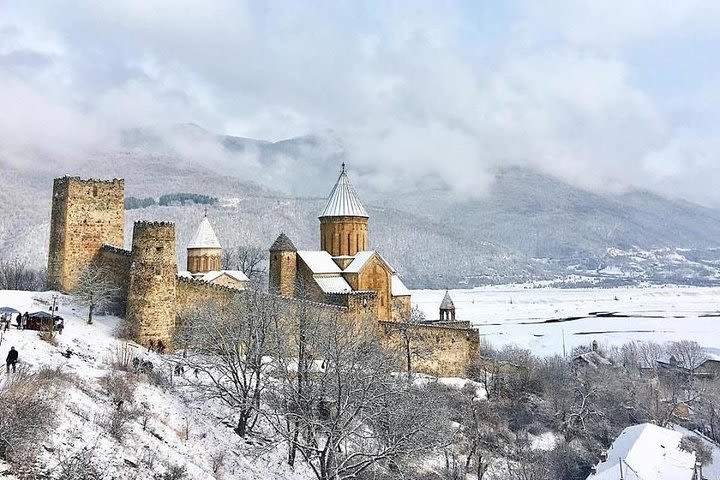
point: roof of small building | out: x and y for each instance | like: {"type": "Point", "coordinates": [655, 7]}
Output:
{"type": "Point", "coordinates": [447, 303]}
{"type": "Point", "coordinates": [283, 244]}
{"type": "Point", "coordinates": [319, 261]}
{"type": "Point", "coordinates": [646, 452]}
{"type": "Point", "coordinates": [343, 200]}
{"type": "Point", "coordinates": [361, 258]}
{"type": "Point", "coordinates": [398, 288]}
{"type": "Point", "coordinates": [333, 284]}
{"type": "Point", "coordinates": [235, 274]}
{"type": "Point", "coordinates": [204, 236]}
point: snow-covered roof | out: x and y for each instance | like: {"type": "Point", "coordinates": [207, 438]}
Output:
{"type": "Point", "coordinates": [343, 200]}
{"type": "Point", "coordinates": [236, 274]}
{"type": "Point", "coordinates": [646, 452]}
{"type": "Point", "coordinates": [398, 287]}
{"type": "Point", "coordinates": [447, 303]}
{"type": "Point", "coordinates": [204, 236]}
{"type": "Point", "coordinates": [333, 284]}
{"type": "Point", "coordinates": [283, 244]}
{"type": "Point", "coordinates": [319, 261]}
{"type": "Point", "coordinates": [361, 258]}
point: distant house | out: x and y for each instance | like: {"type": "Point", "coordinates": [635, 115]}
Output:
{"type": "Point", "coordinates": [646, 452]}
{"type": "Point", "coordinates": [593, 358]}
{"type": "Point", "coordinates": [708, 367]}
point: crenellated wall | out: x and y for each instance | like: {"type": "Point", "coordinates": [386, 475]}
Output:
{"type": "Point", "coordinates": [191, 294]}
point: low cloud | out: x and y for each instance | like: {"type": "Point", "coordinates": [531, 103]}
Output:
{"type": "Point", "coordinates": [415, 92]}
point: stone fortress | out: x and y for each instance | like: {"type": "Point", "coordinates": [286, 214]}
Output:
{"type": "Point", "coordinates": [87, 230]}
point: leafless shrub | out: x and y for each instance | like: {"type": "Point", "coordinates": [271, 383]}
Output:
{"type": "Point", "coordinates": [703, 452]}
{"type": "Point", "coordinates": [122, 356]}
{"type": "Point", "coordinates": [120, 388]}
{"type": "Point", "coordinates": [173, 472]}
{"type": "Point", "coordinates": [28, 404]}
{"type": "Point", "coordinates": [79, 466]}
{"type": "Point", "coordinates": [217, 461]}
{"type": "Point", "coordinates": [118, 422]}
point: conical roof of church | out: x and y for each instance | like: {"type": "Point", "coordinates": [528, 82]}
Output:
{"type": "Point", "coordinates": [343, 200]}
{"type": "Point", "coordinates": [447, 303]}
{"type": "Point", "coordinates": [204, 236]}
{"type": "Point", "coordinates": [283, 244]}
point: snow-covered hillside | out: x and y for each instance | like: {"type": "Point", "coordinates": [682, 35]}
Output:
{"type": "Point", "coordinates": [166, 428]}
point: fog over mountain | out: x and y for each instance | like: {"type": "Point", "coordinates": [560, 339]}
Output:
{"type": "Point", "coordinates": [525, 226]}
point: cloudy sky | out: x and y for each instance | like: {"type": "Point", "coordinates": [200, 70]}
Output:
{"type": "Point", "coordinates": [607, 94]}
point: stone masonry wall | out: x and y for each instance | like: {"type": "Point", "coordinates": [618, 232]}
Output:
{"type": "Point", "coordinates": [191, 294]}
{"type": "Point", "coordinates": [443, 351]}
{"type": "Point", "coordinates": [86, 214]}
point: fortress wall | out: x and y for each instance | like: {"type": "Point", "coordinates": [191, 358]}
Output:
{"type": "Point", "coordinates": [443, 351]}
{"type": "Point", "coordinates": [191, 294]}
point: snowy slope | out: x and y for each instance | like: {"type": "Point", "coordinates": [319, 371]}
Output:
{"type": "Point", "coordinates": [179, 431]}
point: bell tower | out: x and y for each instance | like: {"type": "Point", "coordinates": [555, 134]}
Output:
{"type": "Point", "coordinates": [343, 222]}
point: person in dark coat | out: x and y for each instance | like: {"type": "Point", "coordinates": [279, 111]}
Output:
{"type": "Point", "coordinates": [160, 346]}
{"type": "Point", "coordinates": [11, 359]}
{"type": "Point", "coordinates": [18, 320]}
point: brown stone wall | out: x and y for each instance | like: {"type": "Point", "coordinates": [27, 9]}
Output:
{"type": "Point", "coordinates": [86, 214]}
{"type": "Point", "coordinates": [305, 285]}
{"type": "Point", "coordinates": [193, 293]}
{"type": "Point", "coordinates": [343, 235]}
{"type": "Point", "coordinates": [203, 260]}
{"type": "Point", "coordinates": [283, 273]}
{"type": "Point", "coordinates": [402, 308]}
{"type": "Point", "coordinates": [376, 277]}
{"type": "Point", "coordinates": [116, 263]}
{"type": "Point", "coordinates": [442, 351]}
{"type": "Point", "coordinates": [151, 305]}
{"type": "Point", "coordinates": [230, 282]}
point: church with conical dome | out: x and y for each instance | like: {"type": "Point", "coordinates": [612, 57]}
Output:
{"type": "Point", "coordinates": [344, 266]}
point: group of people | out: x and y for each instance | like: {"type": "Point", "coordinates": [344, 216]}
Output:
{"type": "Point", "coordinates": [156, 346]}
{"type": "Point", "coordinates": [20, 320]}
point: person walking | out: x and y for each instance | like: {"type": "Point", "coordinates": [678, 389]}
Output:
{"type": "Point", "coordinates": [11, 360]}
{"type": "Point", "coordinates": [18, 320]}
{"type": "Point", "coordinates": [25, 318]}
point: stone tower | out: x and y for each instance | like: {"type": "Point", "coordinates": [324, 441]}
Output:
{"type": "Point", "coordinates": [283, 266]}
{"type": "Point", "coordinates": [204, 252]}
{"type": "Point", "coordinates": [151, 304]}
{"type": "Point", "coordinates": [343, 222]}
{"type": "Point", "coordinates": [447, 307]}
{"type": "Point", "coordinates": [86, 214]}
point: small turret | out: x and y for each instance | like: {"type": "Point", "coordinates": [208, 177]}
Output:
{"type": "Point", "coordinates": [283, 266]}
{"type": "Point", "coordinates": [204, 252]}
{"type": "Point", "coordinates": [447, 307]}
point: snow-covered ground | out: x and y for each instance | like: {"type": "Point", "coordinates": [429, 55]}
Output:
{"type": "Point", "coordinates": [179, 430]}
{"type": "Point", "coordinates": [542, 319]}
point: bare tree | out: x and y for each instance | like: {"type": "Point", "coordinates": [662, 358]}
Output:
{"type": "Point", "coordinates": [252, 261]}
{"type": "Point", "coordinates": [16, 275]}
{"type": "Point", "coordinates": [688, 354]}
{"type": "Point", "coordinates": [347, 414]}
{"type": "Point", "coordinates": [231, 348]}
{"type": "Point", "coordinates": [95, 290]}
{"type": "Point", "coordinates": [414, 346]}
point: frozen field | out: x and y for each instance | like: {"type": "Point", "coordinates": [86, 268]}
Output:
{"type": "Point", "coordinates": [539, 318]}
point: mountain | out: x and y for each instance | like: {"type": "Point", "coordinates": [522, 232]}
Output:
{"type": "Point", "coordinates": [526, 227]}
